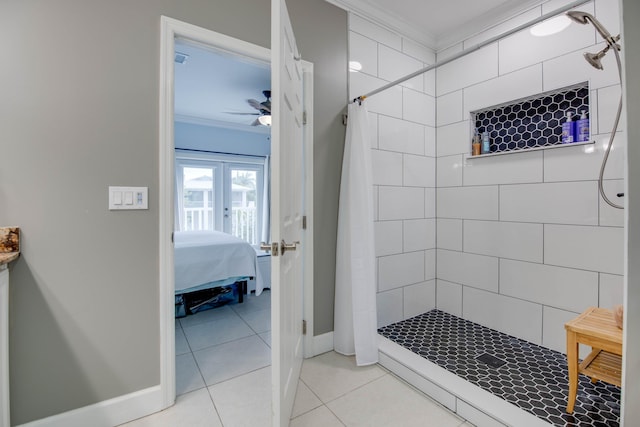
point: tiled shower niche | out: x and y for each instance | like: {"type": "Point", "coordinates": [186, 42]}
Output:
{"type": "Point", "coordinates": [533, 122]}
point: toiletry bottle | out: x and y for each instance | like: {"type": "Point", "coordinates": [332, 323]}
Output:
{"type": "Point", "coordinates": [475, 145]}
{"type": "Point", "coordinates": [568, 129]}
{"type": "Point", "coordinates": [486, 146]}
{"type": "Point", "coordinates": [582, 128]}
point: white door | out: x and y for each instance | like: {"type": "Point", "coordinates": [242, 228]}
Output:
{"type": "Point", "coordinates": [286, 213]}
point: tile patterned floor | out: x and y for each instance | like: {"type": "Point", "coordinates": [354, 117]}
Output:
{"type": "Point", "coordinates": [228, 383]}
{"type": "Point", "coordinates": [533, 378]}
{"type": "Point", "coordinates": [332, 392]}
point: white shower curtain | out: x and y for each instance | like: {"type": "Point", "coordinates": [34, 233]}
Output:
{"type": "Point", "coordinates": [355, 322]}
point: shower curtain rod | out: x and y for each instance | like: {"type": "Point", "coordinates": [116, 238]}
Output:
{"type": "Point", "coordinates": [473, 48]}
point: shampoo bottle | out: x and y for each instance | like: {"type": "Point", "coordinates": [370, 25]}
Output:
{"type": "Point", "coordinates": [486, 146]}
{"type": "Point", "coordinates": [475, 145]}
{"type": "Point", "coordinates": [568, 129]}
{"type": "Point", "coordinates": [582, 128]}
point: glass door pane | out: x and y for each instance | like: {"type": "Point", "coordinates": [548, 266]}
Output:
{"type": "Point", "coordinates": [244, 204]}
{"type": "Point", "coordinates": [199, 185]}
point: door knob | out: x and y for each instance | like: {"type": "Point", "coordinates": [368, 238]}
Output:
{"type": "Point", "coordinates": [284, 247]}
{"type": "Point", "coordinates": [269, 247]}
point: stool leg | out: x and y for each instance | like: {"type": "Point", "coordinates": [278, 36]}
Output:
{"type": "Point", "coordinates": [572, 364]}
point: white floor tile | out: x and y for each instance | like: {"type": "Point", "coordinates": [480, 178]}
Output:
{"type": "Point", "coordinates": [371, 406]}
{"type": "Point", "coordinates": [331, 375]}
{"type": "Point", "coordinates": [258, 320]}
{"type": "Point", "coordinates": [188, 377]}
{"type": "Point", "coordinates": [253, 302]}
{"type": "Point", "coordinates": [225, 361]}
{"type": "Point", "coordinates": [205, 316]}
{"type": "Point", "coordinates": [182, 346]}
{"type": "Point", "coordinates": [193, 409]}
{"type": "Point", "coordinates": [224, 329]}
{"type": "Point", "coordinates": [244, 400]}
{"type": "Point", "coordinates": [319, 417]}
{"type": "Point", "coordinates": [305, 400]}
{"type": "Point", "coordinates": [266, 337]}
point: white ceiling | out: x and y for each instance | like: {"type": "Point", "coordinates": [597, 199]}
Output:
{"type": "Point", "coordinates": [211, 86]}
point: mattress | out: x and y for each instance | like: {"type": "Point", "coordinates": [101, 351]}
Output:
{"type": "Point", "coordinates": [212, 257]}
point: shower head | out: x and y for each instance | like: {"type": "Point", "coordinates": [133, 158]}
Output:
{"type": "Point", "coordinates": [594, 59]}
{"type": "Point", "coordinates": [584, 18]}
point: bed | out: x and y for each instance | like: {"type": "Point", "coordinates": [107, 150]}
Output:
{"type": "Point", "coordinates": [211, 259]}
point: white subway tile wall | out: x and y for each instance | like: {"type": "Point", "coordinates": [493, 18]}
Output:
{"type": "Point", "coordinates": [519, 242]}
{"type": "Point", "coordinates": [404, 166]}
{"type": "Point", "coordinates": [525, 243]}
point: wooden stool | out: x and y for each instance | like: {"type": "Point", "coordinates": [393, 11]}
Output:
{"type": "Point", "coordinates": [597, 328]}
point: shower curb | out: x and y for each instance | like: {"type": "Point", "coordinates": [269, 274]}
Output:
{"type": "Point", "coordinates": [460, 396]}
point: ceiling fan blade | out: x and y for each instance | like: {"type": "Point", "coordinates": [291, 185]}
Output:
{"type": "Point", "coordinates": [255, 104]}
{"type": "Point", "coordinates": [242, 114]}
{"type": "Point", "coordinates": [266, 105]}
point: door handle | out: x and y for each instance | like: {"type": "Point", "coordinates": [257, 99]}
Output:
{"type": "Point", "coordinates": [269, 247]}
{"type": "Point", "coordinates": [284, 247]}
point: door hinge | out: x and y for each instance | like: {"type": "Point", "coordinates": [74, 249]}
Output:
{"type": "Point", "coordinates": [304, 117]}
{"type": "Point", "coordinates": [304, 222]}
{"type": "Point", "coordinates": [172, 233]}
{"type": "Point", "coordinates": [304, 327]}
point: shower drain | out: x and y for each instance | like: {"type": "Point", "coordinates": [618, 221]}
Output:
{"type": "Point", "coordinates": [490, 360]}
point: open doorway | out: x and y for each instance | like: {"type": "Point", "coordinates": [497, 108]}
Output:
{"type": "Point", "coordinates": [222, 278]}
{"type": "Point", "coordinates": [173, 34]}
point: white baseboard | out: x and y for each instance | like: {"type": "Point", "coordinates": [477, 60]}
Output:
{"type": "Point", "coordinates": [322, 343]}
{"type": "Point", "coordinates": [108, 413]}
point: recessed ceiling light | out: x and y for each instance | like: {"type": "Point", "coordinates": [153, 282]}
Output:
{"type": "Point", "coordinates": [550, 26]}
{"type": "Point", "coordinates": [355, 66]}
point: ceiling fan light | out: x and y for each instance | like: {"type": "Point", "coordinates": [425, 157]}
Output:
{"type": "Point", "coordinates": [265, 120]}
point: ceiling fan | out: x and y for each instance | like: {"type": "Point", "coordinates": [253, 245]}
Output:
{"type": "Point", "coordinates": [264, 110]}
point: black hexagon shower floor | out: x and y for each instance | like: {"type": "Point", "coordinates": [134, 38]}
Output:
{"type": "Point", "coordinates": [534, 378]}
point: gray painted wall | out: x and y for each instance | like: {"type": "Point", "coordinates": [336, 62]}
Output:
{"type": "Point", "coordinates": [631, 49]}
{"type": "Point", "coordinates": [79, 112]}
{"type": "Point", "coordinates": [321, 32]}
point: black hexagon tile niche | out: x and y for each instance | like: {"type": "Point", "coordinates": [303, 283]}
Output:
{"type": "Point", "coordinates": [534, 378]}
{"type": "Point", "coordinates": [532, 122]}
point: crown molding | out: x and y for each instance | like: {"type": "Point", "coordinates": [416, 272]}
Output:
{"type": "Point", "coordinates": [390, 20]}
{"type": "Point", "coordinates": [203, 121]}
{"type": "Point", "coordinates": [387, 19]}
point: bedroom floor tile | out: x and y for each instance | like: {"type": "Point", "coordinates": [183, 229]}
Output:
{"type": "Point", "coordinates": [258, 320]}
{"type": "Point", "coordinates": [188, 377]}
{"type": "Point", "coordinates": [182, 346]}
{"type": "Point", "coordinates": [331, 375]}
{"type": "Point", "coordinates": [266, 337]}
{"type": "Point", "coordinates": [228, 327]}
{"type": "Point", "coordinates": [206, 316]}
{"type": "Point", "coordinates": [225, 361]}
{"type": "Point", "coordinates": [253, 302]}
{"type": "Point", "coordinates": [244, 400]}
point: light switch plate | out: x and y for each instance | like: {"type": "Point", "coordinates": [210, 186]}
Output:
{"type": "Point", "coordinates": [128, 198]}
